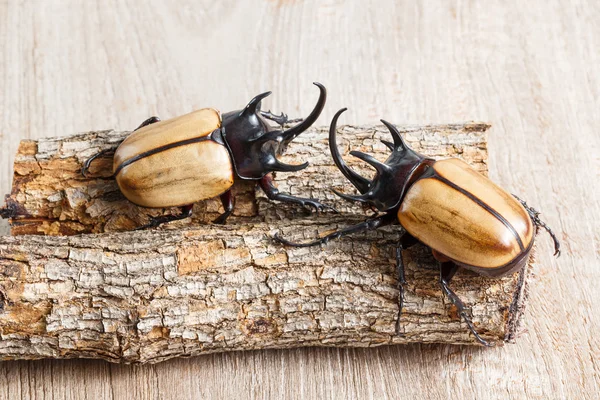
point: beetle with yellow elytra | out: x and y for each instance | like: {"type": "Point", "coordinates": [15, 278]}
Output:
{"type": "Point", "coordinates": [197, 156]}
{"type": "Point", "coordinates": [467, 220]}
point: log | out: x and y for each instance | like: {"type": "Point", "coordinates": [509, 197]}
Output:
{"type": "Point", "coordinates": [53, 198]}
{"type": "Point", "coordinates": [147, 296]}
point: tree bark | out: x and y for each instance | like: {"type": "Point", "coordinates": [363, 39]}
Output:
{"type": "Point", "coordinates": [53, 198]}
{"type": "Point", "coordinates": [147, 296]}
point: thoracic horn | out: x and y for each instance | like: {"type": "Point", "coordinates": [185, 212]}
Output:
{"type": "Point", "coordinates": [279, 166]}
{"type": "Point", "coordinates": [254, 104]}
{"type": "Point", "coordinates": [388, 144]}
{"type": "Point", "coordinates": [375, 163]}
{"type": "Point", "coordinates": [360, 182]}
{"type": "Point", "coordinates": [290, 134]}
{"type": "Point", "coordinates": [398, 141]}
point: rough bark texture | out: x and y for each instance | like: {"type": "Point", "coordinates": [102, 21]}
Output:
{"type": "Point", "coordinates": [152, 295]}
{"type": "Point", "coordinates": [56, 199]}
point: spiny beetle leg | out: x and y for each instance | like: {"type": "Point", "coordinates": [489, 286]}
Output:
{"type": "Point", "coordinates": [368, 225]}
{"type": "Point", "coordinates": [281, 119]}
{"type": "Point", "coordinates": [186, 211]}
{"type": "Point", "coordinates": [278, 119]}
{"type": "Point", "coordinates": [266, 184]}
{"type": "Point", "coordinates": [227, 201]}
{"type": "Point", "coordinates": [406, 241]}
{"type": "Point", "coordinates": [447, 271]}
{"type": "Point", "coordinates": [535, 217]}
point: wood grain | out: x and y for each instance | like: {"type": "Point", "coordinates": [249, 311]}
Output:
{"type": "Point", "coordinates": [530, 68]}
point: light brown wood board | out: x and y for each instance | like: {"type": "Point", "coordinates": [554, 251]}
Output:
{"type": "Point", "coordinates": [530, 68]}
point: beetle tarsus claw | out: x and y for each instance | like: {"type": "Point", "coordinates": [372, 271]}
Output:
{"type": "Point", "coordinates": [316, 206]}
{"type": "Point", "coordinates": [469, 323]}
{"type": "Point", "coordinates": [221, 219]}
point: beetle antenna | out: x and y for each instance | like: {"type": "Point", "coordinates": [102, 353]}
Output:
{"type": "Point", "coordinates": [290, 134]}
{"type": "Point", "coordinates": [361, 183]}
{"type": "Point", "coordinates": [375, 163]}
{"type": "Point", "coordinates": [535, 217]}
{"type": "Point", "coordinates": [362, 198]}
{"type": "Point", "coordinates": [398, 141]}
{"type": "Point", "coordinates": [279, 166]}
{"type": "Point", "coordinates": [254, 104]}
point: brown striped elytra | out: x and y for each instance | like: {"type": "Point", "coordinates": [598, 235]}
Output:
{"type": "Point", "coordinates": [199, 155]}
{"type": "Point", "coordinates": [462, 216]}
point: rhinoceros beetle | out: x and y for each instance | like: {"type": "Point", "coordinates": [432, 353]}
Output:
{"type": "Point", "coordinates": [467, 220]}
{"type": "Point", "coordinates": [177, 162]}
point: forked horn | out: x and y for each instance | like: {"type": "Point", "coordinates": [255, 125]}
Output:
{"type": "Point", "coordinates": [398, 141]}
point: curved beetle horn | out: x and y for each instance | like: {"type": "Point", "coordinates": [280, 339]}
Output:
{"type": "Point", "coordinates": [294, 131]}
{"type": "Point", "coordinates": [254, 104]}
{"type": "Point", "coordinates": [372, 161]}
{"type": "Point", "coordinates": [362, 198]}
{"type": "Point", "coordinates": [398, 141]}
{"type": "Point", "coordinates": [388, 144]}
{"type": "Point", "coordinates": [361, 183]}
{"type": "Point", "coordinates": [279, 166]}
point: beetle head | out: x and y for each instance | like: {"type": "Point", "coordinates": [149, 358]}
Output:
{"type": "Point", "coordinates": [386, 189]}
{"type": "Point", "coordinates": [254, 144]}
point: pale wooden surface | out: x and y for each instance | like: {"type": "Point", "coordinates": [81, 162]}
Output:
{"type": "Point", "coordinates": [530, 68]}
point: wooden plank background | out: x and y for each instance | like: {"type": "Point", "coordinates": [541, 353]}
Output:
{"type": "Point", "coordinates": [531, 68]}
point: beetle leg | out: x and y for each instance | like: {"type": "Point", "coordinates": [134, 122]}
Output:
{"type": "Point", "coordinates": [148, 121]}
{"type": "Point", "coordinates": [88, 162]}
{"type": "Point", "coordinates": [406, 241]}
{"type": "Point", "coordinates": [280, 120]}
{"type": "Point", "coordinates": [535, 217]}
{"type": "Point", "coordinates": [266, 184]}
{"type": "Point", "coordinates": [227, 201]}
{"type": "Point", "coordinates": [447, 271]}
{"type": "Point", "coordinates": [186, 211]}
{"type": "Point", "coordinates": [368, 225]}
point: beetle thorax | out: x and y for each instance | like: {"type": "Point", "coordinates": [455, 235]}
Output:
{"type": "Point", "coordinates": [394, 176]}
